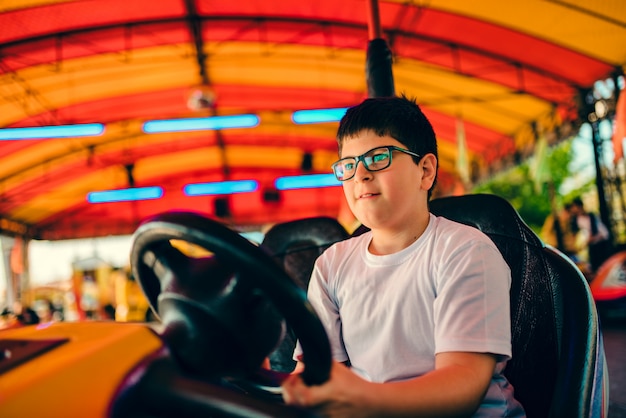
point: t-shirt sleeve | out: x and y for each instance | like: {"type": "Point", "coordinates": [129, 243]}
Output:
{"type": "Point", "coordinates": [472, 307]}
{"type": "Point", "coordinates": [320, 296]}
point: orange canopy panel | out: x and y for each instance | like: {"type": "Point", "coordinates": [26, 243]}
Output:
{"type": "Point", "coordinates": [504, 74]}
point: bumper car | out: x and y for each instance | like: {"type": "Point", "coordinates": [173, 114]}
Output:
{"type": "Point", "coordinates": [220, 315]}
{"type": "Point", "coordinates": [608, 287]}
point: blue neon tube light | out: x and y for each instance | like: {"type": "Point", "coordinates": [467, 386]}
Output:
{"type": "Point", "coordinates": [49, 132]}
{"type": "Point", "coordinates": [222, 187]}
{"type": "Point", "coordinates": [199, 124]}
{"type": "Point", "coordinates": [310, 181]}
{"type": "Point", "coordinates": [125, 195]}
{"type": "Point", "coordinates": [318, 115]}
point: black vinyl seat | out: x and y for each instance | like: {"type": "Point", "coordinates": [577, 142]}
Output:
{"type": "Point", "coordinates": [558, 367]}
{"type": "Point", "coordinates": [295, 245]}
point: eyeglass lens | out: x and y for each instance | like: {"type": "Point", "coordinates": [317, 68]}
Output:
{"type": "Point", "coordinates": [374, 160]}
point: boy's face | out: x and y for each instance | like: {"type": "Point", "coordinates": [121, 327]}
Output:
{"type": "Point", "coordinates": [391, 197]}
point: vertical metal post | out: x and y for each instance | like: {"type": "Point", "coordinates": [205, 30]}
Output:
{"type": "Point", "coordinates": [379, 58]}
{"type": "Point", "coordinates": [597, 156]}
{"type": "Point", "coordinates": [373, 22]}
{"type": "Point", "coordinates": [5, 273]}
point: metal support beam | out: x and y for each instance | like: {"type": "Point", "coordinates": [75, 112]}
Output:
{"type": "Point", "coordinates": [597, 157]}
{"type": "Point", "coordinates": [379, 58]}
{"type": "Point", "coordinates": [195, 26]}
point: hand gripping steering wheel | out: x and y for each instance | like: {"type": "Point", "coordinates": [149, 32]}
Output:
{"type": "Point", "coordinates": [200, 299]}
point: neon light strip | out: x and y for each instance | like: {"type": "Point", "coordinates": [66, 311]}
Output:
{"type": "Point", "coordinates": [223, 187]}
{"type": "Point", "coordinates": [318, 115]}
{"type": "Point", "coordinates": [125, 195]}
{"type": "Point", "coordinates": [198, 124]}
{"type": "Point", "coordinates": [48, 132]}
{"type": "Point", "coordinates": [306, 182]}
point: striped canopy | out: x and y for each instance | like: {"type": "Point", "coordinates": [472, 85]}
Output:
{"type": "Point", "coordinates": [499, 74]}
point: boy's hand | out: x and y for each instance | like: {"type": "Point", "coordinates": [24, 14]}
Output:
{"type": "Point", "coordinates": [338, 397]}
{"type": "Point", "coordinates": [455, 388]}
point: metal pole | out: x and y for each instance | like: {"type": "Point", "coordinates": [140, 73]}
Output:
{"type": "Point", "coordinates": [379, 58]}
{"type": "Point", "coordinates": [5, 275]}
{"type": "Point", "coordinates": [373, 16]}
{"type": "Point", "coordinates": [602, 203]}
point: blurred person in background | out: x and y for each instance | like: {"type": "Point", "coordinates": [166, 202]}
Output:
{"type": "Point", "coordinates": [593, 235]}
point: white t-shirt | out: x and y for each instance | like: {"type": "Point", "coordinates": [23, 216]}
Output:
{"type": "Point", "coordinates": [389, 315]}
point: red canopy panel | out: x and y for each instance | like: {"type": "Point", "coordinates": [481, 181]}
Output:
{"type": "Point", "coordinates": [59, 18]}
{"type": "Point", "coordinates": [502, 72]}
{"type": "Point", "coordinates": [172, 103]}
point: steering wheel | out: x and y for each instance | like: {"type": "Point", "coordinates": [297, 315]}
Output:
{"type": "Point", "coordinates": [200, 299]}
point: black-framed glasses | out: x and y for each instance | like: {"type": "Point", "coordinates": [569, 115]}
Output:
{"type": "Point", "coordinates": [375, 159]}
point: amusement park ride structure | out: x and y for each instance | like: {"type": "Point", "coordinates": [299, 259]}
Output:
{"type": "Point", "coordinates": [174, 368]}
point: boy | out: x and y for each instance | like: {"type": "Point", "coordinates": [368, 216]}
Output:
{"type": "Point", "coordinates": [416, 309]}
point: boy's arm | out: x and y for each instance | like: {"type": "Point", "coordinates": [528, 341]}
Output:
{"type": "Point", "coordinates": [455, 388]}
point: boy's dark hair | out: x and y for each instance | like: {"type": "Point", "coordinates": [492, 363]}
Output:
{"type": "Point", "coordinates": [398, 117]}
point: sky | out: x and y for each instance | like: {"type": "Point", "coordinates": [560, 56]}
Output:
{"type": "Point", "coordinates": [52, 260]}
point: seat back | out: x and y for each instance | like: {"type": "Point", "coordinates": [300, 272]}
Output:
{"type": "Point", "coordinates": [558, 368]}
{"type": "Point", "coordinates": [296, 245]}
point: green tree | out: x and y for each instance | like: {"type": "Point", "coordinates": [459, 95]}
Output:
{"type": "Point", "coordinates": [518, 185]}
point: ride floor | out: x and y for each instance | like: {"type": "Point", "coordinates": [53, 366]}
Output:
{"type": "Point", "coordinates": [614, 331]}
